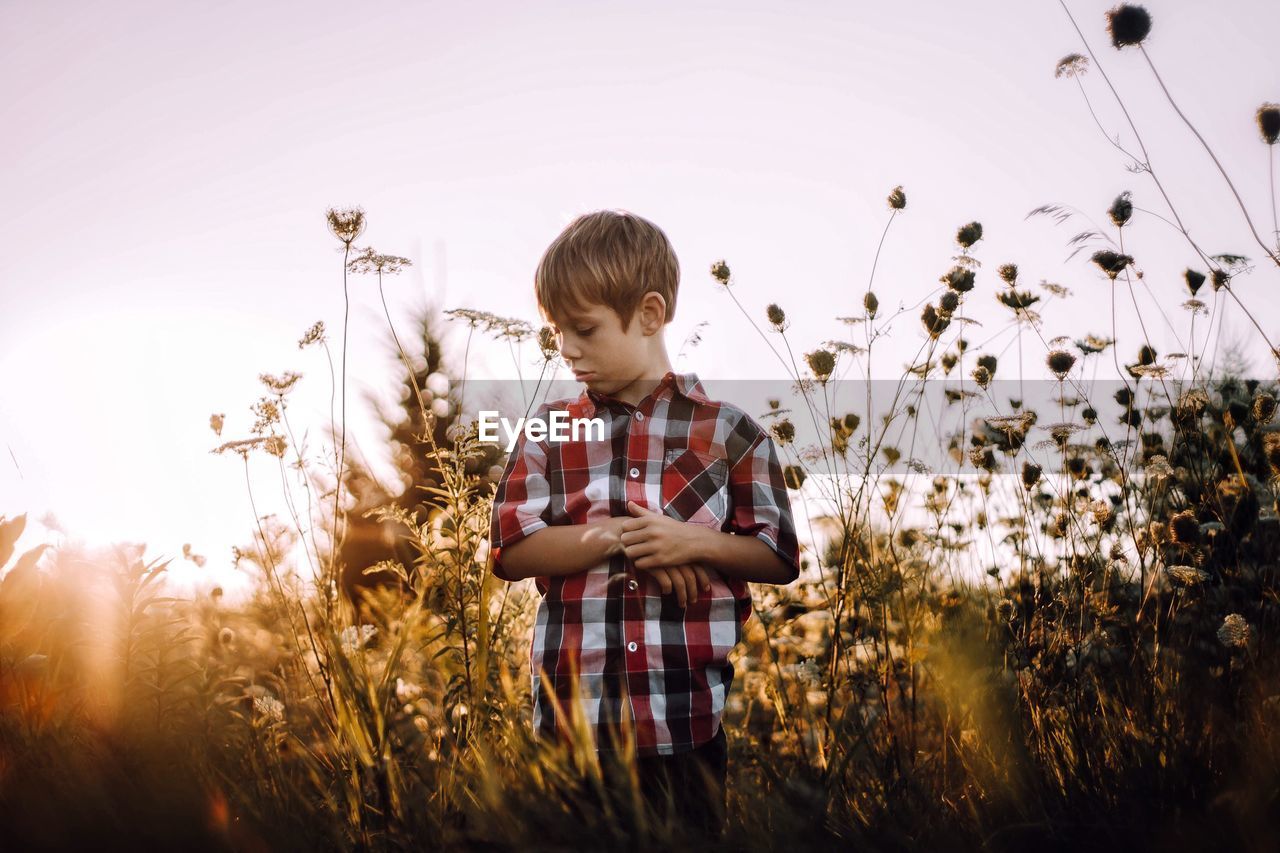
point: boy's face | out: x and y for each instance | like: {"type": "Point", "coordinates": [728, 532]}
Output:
{"type": "Point", "coordinates": [604, 356]}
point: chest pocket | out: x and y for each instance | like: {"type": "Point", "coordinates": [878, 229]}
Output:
{"type": "Point", "coordinates": [695, 487]}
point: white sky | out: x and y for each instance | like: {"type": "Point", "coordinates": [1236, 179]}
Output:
{"type": "Point", "coordinates": [167, 167]}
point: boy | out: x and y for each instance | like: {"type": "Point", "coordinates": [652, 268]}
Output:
{"type": "Point", "coordinates": [642, 544]}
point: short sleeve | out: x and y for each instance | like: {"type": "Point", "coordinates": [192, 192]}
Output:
{"type": "Point", "coordinates": [522, 502]}
{"type": "Point", "coordinates": [761, 508]}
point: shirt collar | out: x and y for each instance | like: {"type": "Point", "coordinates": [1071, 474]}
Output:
{"type": "Point", "coordinates": [686, 384]}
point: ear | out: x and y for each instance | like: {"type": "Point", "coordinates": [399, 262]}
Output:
{"type": "Point", "coordinates": [652, 312]}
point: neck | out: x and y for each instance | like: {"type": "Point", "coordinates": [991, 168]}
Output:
{"type": "Point", "coordinates": [648, 380]}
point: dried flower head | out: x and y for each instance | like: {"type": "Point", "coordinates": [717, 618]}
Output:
{"type": "Point", "coordinates": [1071, 65]}
{"type": "Point", "coordinates": [1269, 123]}
{"type": "Point", "coordinates": [215, 423]}
{"type": "Point", "coordinates": [268, 707]}
{"type": "Point", "coordinates": [1264, 407]}
{"type": "Point", "coordinates": [958, 279]}
{"type": "Point", "coordinates": [1030, 475]}
{"type": "Point", "coordinates": [720, 272]}
{"type": "Point", "coordinates": [1128, 25]}
{"type": "Point", "coordinates": [784, 431]}
{"type": "Point", "coordinates": [969, 234]}
{"type": "Point", "coordinates": [949, 302]}
{"type": "Point", "coordinates": [1186, 576]}
{"type": "Point", "coordinates": [1060, 362]}
{"type": "Point", "coordinates": [1008, 274]}
{"type": "Point", "coordinates": [1234, 631]}
{"type": "Point", "coordinates": [1158, 468]}
{"type": "Point", "coordinates": [1271, 449]}
{"type": "Point", "coordinates": [793, 476]}
{"type": "Point", "coordinates": [870, 303]}
{"type": "Point", "coordinates": [226, 637]}
{"type": "Point", "coordinates": [981, 376]}
{"type": "Point", "coordinates": [777, 317]}
{"type": "Point", "coordinates": [821, 362]}
{"type": "Point", "coordinates": [346, 225]}
{"type": "Point", "coordinates": [369, 261]}
{"type": "Point", "coordinates": [1111, 263]}
{"type": "Point", "coordinates": [547, 343]}
{"type": "Point", "coordinates": [313, 335]}
{"type": "Point", "coordinates": [1194, 280]}
{"type": "Point", "coordinates": [1006, 610]}
{"type": "Point", "coordinates": [1184, 528]}
{"type": "Point", "coordinates": [281, 385]}
{"type": "Point", "coordinates": [275, 445]}
{"type": "Point", "coordinates": [1121, 210]}
{"type": "Point", "coordinates": [934, 323]}
{"type": "Point", "coordinates": [897, 199]}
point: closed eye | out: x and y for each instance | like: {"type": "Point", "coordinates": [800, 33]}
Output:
{"type": "Point", "coordinates": [585, 333]}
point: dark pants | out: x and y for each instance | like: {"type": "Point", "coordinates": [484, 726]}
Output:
{"type": "Point", "coordinates": [694, 782]}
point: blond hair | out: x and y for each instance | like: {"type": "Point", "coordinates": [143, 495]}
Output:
{"type": "Point", "coordinates": [610, 257]}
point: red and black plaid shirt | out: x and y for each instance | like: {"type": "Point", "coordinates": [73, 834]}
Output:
{"type": "Point", "coordinates": [638, 660]}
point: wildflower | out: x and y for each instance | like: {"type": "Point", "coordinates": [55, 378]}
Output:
{"type": "Point", "coordinates": [1128, 25]}
{"type": "Point", "coordinates": [407, 691]}
{"type": "Point", "coordinates": [1158, 468]}
{"type": "Point", "coordinates": [275, 445]}
{"type": "Point", "coordinates": [1030, 475]}
{"type": "Point", "coordinates": [346, 225]}
{"type": "Point", "coordinates": [1008, 274]}
{"type": "Point", "coordinates": [1006, 609]}
{"type": "Point", "coordinates": [958, 279]}
{"type": "Point", "coordinates": [355, 636]}
{"type": "Point", "coordinates": [1196, 307]}
{"type": "Point", "coordinates": [1221, 278]}
{"type": "Point", "coordinates": [870, 303]}
{"type": "Point", "coordinates": [226, 637]}
{"type": "Point", "coordinates": [1234, 631]}
{"type": "Point", "coordinates": [280, 384]}
{"type": "Point", "coordinates": [268, 706]}
{"type": "Point", "coordinates": [898, 199]}
{"type": "Point", "coordinates": [1184, 528]}
{"type": "Point", "coordinates": [1018, 300]}
{"type": "Point", "coordinates": [793, 476]}
{"type": "Point", "coordinates": [313, 335]}
{"type": "Point", "coordinates": [777, 317]}
{"type": "Point", "coordinates": [241, 446]}
{"type": "Point", "coordinates": [784, 431]}
{"type": "Point", "coordinates": [1102, 512]}
{"type": "Point", "coordinates": [1194, 280]}
{"type": "Point", "coordinates": [934, 323]}
{"type": "Point", "coordinates": [949, 302]}
{"type": "Point", "coordinates": [1071, 65]}
{"type": "Point", "coordinates": [821, 362]}
{"type": "Point", "coordinates": [1093, 344]}
{"type": "Point", "coordinates": [215, 593]}
{"type": "Point", "coordinates": [1269, 123]}
{"type": "Point", "coordinates": [1186, 576]}
{"type": "Point", "coordinates": [547, 343]}
{"type": "Point", "coordinates": [982, 457]}
{"type": "Point", "coordinates": [1271, 449]}
{"type": "Point", "coordinates": [369, 261]}
{"type": "Point", "coordinates": [1060, 362]}
{"type": "Point", "coordinates": [981, 376]}
{"type": "Point", "coordinates": [720, 272]}
{"type": "Point", "coordinates": [1111, 263]}
{"type": "Point", "coordinates": [969, 234]}
{"type": "Point", "coordinates": [851, 421]}
{"type": "Point", "coordinates": [268, 413]}
{"type": "Point", "coordinates": [1121, 210]}
{"type": "Point", "coordinates": [215, 423]}
{"type": "Point", "coordinates": [1264, 407]}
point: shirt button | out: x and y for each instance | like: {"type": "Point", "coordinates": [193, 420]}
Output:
{"type": "Point", "coordinates": [631, 584]}
{"type": "Point", "coordinates": [639, 416]}
{"type": "Point", "coordinates": [631, 647]}
{"type": "Point", "coordinates": [635, 472]}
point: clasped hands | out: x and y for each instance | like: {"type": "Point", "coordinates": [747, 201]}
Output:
{"type": "Point", "coordinates": [667, 549]}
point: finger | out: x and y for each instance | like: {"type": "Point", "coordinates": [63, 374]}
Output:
{"type": "Point", "coordinates": [636, 510]}
{"type": "Point", "coordinates": [639, 551]}
{"type": "Point", "coordinates": [690, 583]}
{"type": "Point", "coordinates": [678, 585]}
{"type": "Point", "coordinates": [704, 579]}
{"type": "Point", "coordinates": [663, 579]}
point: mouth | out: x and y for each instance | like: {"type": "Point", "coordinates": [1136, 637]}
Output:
{"type": "Point", "coordinates": [584, 375]}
